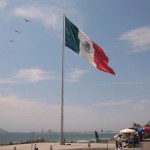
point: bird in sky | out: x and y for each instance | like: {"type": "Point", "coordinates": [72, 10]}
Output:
{"type": "Point", "coordinates": [17, 31]}
{"type": "Point", "coordinates": [27, 20]}
{"type": "Point", "coordinates": [11, 40]}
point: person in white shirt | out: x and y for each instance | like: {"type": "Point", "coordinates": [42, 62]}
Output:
{"type": "Point", "coordinates": [119, 142]}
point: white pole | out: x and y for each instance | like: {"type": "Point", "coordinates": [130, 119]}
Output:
{"type": "Point", "coordinates": [32, 139]}
{"type": "Point", "coordinates": [62, 86]}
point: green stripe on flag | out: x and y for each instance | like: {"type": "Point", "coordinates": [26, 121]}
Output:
{"type": "Point", "coordinates": [71, 36]}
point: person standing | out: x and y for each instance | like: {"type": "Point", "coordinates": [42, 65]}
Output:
{"type": "Point", "coordinates": [119, 142]}
{"type": "Point", "coordinates": [35, 147]}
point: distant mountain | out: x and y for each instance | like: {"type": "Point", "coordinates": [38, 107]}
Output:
{"type": "Point", "coordinates": [2, 130]}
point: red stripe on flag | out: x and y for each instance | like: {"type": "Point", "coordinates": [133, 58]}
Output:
{"type": "Point", "coordinates": [101, 59]}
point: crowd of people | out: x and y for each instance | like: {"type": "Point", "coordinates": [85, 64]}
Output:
{"type": "Point", "coordinates": [131, 137]}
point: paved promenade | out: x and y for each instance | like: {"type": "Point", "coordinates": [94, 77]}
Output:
{"type": "Point", "coordinates": [57, 146]}
{"type": "Point", "coordinates": [145, 145]}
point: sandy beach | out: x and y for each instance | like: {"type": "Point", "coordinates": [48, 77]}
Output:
{"type": "Point", "coordinates": [57, 146]}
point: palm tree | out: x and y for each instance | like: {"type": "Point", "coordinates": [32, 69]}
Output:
{"type": "Point", "coordinates": [136, 125]}
{"type": "Point", "coordinates": [148, 124]}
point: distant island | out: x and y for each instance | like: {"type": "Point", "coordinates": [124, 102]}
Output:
{"type": "Point", "coordinates": [2, 130]}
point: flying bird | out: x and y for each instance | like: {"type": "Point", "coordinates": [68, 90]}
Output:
{"type": "Point", "coordinates": [17, 31]}
{"type": "Point", "coordinates": [11, 40]}
{"type": "Point", "coordinates": [27, 20]}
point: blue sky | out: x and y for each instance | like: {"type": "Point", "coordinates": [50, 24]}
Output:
{"type": "Point", "coordinates": [30, 66]}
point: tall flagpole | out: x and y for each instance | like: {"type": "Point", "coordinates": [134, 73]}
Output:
{"type": "Point", "coordinates": [62, 86]}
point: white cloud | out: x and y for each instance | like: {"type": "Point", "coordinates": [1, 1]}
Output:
{"type": "Point", "coordinates": [76, 74]}
{"type": "Point", "coordinates": [7, 81]}
{"type": "Point", "coordinates": [3, 3]}
{"type": "Point", "coordinates": [18, 114]}
{"type": "Point", "coordinates": [29, 75]}
{"type": "Point", "coordinates": [35, 75]}
{"type": "Point", "coordinates": [48, 16]}
{"type": "Point", "coordinates": [113, 103]}
{"type": "Point", "coordinates": [139, 38]}
{"type": "Point", "coordinates": [142, 105]}
{"type": "Point", "coordinates": [27, 114]}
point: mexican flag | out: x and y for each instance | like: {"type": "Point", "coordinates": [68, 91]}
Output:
{"type": "Point", "coordinates": [80, 43]}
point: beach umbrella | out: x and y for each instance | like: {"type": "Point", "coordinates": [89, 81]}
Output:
{"type": "Point", "coordinates": [146, 128]}
{"type": "Point", "coordinates": [139, 129]}
{"type": "Point", "coordinates": [117, 135]}
{"type": "Point", "coordinates": [127, 131]}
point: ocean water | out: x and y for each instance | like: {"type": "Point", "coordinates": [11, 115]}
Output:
{"type": "Point", "coordinates": [6, 138]}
